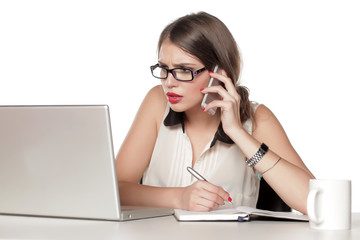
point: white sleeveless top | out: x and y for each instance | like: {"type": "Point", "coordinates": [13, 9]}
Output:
{"type": "Point", "coordinates": [221, 163]}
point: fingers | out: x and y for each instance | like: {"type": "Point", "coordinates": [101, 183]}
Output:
{"type": "Point", "coordinates": [227, 102]}
{"type": "Point", "coordinates": [229, 85]}
{"type": "Point", "coordinates": [205, 196]}
{"type": "Point", "coordinates": [228, 93]}
{"type": "Point", "coordinates": [216, 191]}
{"type": "Point", "coordinates": [230, 99]}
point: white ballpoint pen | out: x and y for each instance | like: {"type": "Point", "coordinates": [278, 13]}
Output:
{"type": "Point", "coordinates": [199, 177]}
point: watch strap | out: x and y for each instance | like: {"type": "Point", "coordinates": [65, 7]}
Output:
{"type": "Point", "coordinates": [257, 156]}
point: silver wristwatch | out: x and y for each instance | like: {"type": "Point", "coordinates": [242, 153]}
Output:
{"type": "Point", "coordinates": [257, 156]}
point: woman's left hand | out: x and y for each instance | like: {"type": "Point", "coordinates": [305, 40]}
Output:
{"type": "Point", "coordinates": [229, 104]}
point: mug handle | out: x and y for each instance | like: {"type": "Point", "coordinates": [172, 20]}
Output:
{"type": "Point", "coordinates": [311, 206]}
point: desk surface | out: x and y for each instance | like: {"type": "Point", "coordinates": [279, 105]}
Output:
{"type": "Point", "coordinates": [16, 227]}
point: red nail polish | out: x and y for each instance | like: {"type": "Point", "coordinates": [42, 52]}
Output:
{"type": "Point", "coordinates": [211, 72]}
{"type": "Point", "coordinates": [230, 199]}
{"type": "Point", "coordinates": [201, 89]}
{"type": "Point", "coordinates": [203, 109]}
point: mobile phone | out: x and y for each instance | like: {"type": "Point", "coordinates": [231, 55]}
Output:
{"type": "Point", "coordinates": [209, 97]}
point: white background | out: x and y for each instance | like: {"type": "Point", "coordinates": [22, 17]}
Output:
{"type": "Point", "coordinates": [301, 59]}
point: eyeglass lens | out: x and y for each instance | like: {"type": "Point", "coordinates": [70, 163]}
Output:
{"type": "Point", "coordinates": [182, 74]}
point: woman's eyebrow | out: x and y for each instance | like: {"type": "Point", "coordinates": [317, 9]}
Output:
{"type": "Point", "coordinates": [162, 64]}
{"type": "Point", "coordinates": [184, 64]}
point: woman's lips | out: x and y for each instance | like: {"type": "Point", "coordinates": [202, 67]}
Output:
{"type": "Point", "coordinates": [173, 97]}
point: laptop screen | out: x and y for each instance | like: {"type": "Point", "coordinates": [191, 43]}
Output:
{"type": "Point", "coordinates": [57, 161]}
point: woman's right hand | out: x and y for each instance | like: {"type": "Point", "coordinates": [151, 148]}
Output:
{"type": "Point", "coordinates": [203, 196]}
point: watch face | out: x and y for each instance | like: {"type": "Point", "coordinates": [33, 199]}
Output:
{"type": "Point", "coordinates": [264, 147]}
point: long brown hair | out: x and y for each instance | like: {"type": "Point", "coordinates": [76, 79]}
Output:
{"type": "Point", "coordinates": [207, 38]}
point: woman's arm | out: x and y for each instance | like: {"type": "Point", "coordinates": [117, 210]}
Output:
{"type": "Point", "coordinates": [134, 157]}
{"type": "Point", "coordinates": [289, 177]}
{"type": "Point", "coordinates": [135, 153]}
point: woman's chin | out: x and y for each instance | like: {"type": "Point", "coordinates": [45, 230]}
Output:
{"type": "Point", "coordinates": [177, 107]}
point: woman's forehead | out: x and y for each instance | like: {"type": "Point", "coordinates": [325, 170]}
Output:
{"type": "Point", "coordinates": [171, 53]}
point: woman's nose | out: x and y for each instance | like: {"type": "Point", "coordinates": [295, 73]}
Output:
{"type": "Point", "coordinates": [170, 81]}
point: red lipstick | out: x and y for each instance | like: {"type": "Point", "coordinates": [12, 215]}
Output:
{"type": "Point", "coordinates": [173, 97]}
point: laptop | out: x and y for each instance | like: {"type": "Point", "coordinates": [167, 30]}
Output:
{"type": "Point", "coordinates": [58, 161]}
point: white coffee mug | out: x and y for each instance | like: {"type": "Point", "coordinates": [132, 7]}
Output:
{"type": "Point", "coordinates": [329, 204]}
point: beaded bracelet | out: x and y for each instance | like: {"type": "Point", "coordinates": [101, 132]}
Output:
{"type": "Point", "coordinates": [260, 175]}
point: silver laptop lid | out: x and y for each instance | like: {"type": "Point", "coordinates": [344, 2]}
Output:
{"type": "Point", "coordinates": [57, 161]}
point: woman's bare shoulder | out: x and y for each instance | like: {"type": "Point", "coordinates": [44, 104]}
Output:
{"type": "Point", "coordinates": [154, 104]}
{"type": "Point", "coordinates": [265, 121]}
{"type": "Point", "coordinates": [135, 152]}
{"type": "Point", "coordinates": [263, 113]}
{"type": "Point", "coordinates": [157, 94]}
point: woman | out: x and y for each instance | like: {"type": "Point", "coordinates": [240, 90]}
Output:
{"type": "Point", "coordinates": [172, 131]}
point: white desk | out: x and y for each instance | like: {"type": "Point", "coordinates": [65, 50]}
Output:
{"type": "Point", "coordinates": [15, 227]}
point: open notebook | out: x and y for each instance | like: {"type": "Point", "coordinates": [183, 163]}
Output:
{"type": "Point", "coordinates": [240, 214]}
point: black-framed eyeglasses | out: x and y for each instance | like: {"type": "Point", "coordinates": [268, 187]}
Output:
{"type": "Point", "coordinates": [180, 74]}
